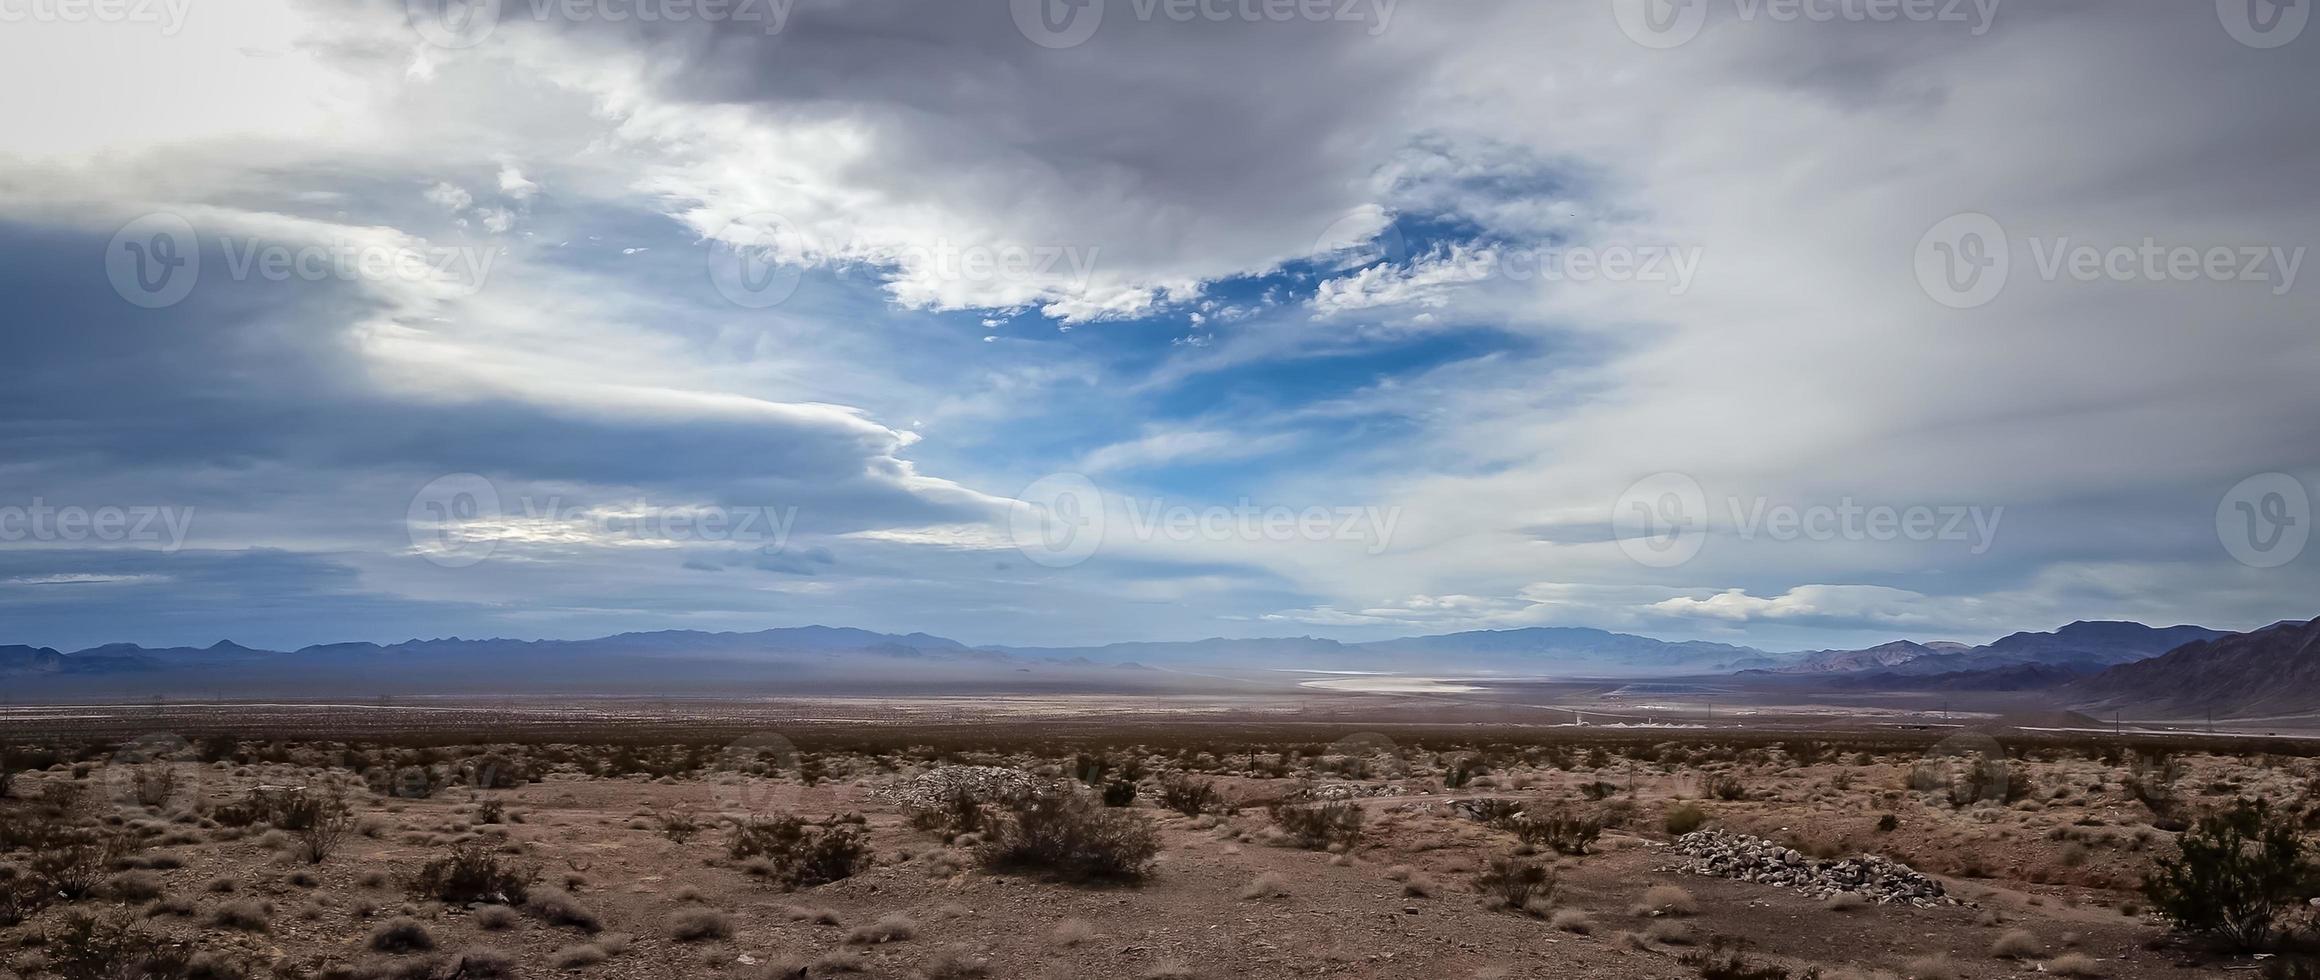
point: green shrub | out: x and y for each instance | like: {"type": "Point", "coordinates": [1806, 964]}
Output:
{"type": "Point", "coordinates": [1515, 881]}
{"type": "Point", "coordinates": [2236, 867]}
{"type": "Point", "coordinates": [1683, 818]}
{"type": "Point", "coordinates": [1187, 795]}
{"type": "Point", "coordinates": [1064, 833]}
{"type": "Point", "coordinates": [801, 854]}
{"type": "Point", "coordinates": [474, 872]}
{"type": "Point", "coordinates": [1119, 793]}
{"type": "Point", "coordinates": [1319, 826]}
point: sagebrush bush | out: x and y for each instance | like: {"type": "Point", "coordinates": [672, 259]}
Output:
{"type": "Point", "coordinates": [402, 934]}
{"type": "Point", "coordinates": [1064, 833]}
{"type": "Point", "coordinates": [1683, 818]}
{"type": "Point", "coordinates": [557, 907]}
{"type": "Point", "coordinates": [2235, 869]}
{"type": "Point", "coordinates": [799, 854]}
{"type": "Point", "coordinates": [1187, 795]}
{"type": "Point", "coordinates": [1319, 826]}
{"type": "Point", "coordinates": [1514, 881]}
{"type": "Point", "coordinates": [474, 872]}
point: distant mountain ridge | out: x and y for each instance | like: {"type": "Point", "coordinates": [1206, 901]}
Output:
{"type": "Point", "coordinates": [2082, 647]}
{"type": "Point", "coordinates": [2271, 671]}
{"type": "Point", "coordinates": [826, 655]}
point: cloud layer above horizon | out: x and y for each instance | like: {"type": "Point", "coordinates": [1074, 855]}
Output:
{"type": "Point", "coordinates": [1052, 323]}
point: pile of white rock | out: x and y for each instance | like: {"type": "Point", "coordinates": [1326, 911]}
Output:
{"type": "Point", "coordinates": [1719, 854]}
{"type": "Point", "coordinates": [935, 788]}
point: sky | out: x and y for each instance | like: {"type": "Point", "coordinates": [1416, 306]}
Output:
{"type": "Point", "coordinates": [1797, 325]}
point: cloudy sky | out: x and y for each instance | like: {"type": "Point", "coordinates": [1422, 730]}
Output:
{"type": "Point", "coordinates": [1793, 325]}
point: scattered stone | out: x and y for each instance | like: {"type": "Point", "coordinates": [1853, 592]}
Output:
{"type": "Point", "coordinates": [1719, 854]}
{"type": "Point", "coordinates": [935, 787]}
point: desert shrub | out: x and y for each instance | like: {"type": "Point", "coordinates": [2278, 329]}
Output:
{"type": "Point", "coordinates": [72, 864]}
{"type": "Point", "coordinates": [958, 812]}
{"type": "Point", "coordinates": [678, 825]}
{"type": "Point", "coordinates": [2236, 867]}
{"type": "Point", "coordinates": [1119, 793]}
{"type": "Point", "coordinates": [892, 928]}
{"type": "Point", "coordinates": [80, 946]}
{"type": "Point", "coordinates": [483, 964]}
{"type": "Point", "coordinates": [695, 925]}
{"type": "Point", "coordinates": [801, 854]}
{"type": "Point", "coordinates": [402, 934]}
{"type": "Point", "coordinates": [133, 886]}
{"type": "Point", "coordinates": [1188, 795]}
{"type": "Point", "coordinates": [324, 821]}
{"type": "Point", "coordinates": [1726, 787]}
{"type": "Point", "coordinates": [575, 957]}
{"type": "Point", "coordinates": [495, 918]}
{"type": "Point", "coordinates": [1562, 830]}
{"type": "Point", "coordinates": [1064, 833]}
{"type": "Point", "coordinates": [153, 783]}
{"type": "Point", "coordinates": [1723, 961]}
{"type": "Point", "coordinates": [2016, 944]}
{"type": "Point", "coordinates": [1665, 900]}
{"type": "Point", "coordinates": [2074, 965]}
{"type": "Point", "coordinates": [557, 907]}
{"type": "Point", "coordinates": [1072, 932]}
{"type": "Point", "coordinates": [1515, 881]}
{"type": "Point", "coordinates": [1683, 818]}
{"type": "Point", "coordinates": [490, 811]}
{"type": "Point", "coordinates": [1887, 823]}
{"type": "Point", "coordinates": [473, 872]}
{"type": "Point", "coordinates": [1267, 885]}
{"type": "Point", "coordinates": [954, 963]}
{"type": "Point", "coordinates": [1572, 920]}
{"type": "Point", "coordinates": [248, 915]}
{"type": "Point", "coordinates": [1319, 826]}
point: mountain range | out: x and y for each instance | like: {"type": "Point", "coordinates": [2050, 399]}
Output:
{"type": "Point", "coordinates": [2181, 669]}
